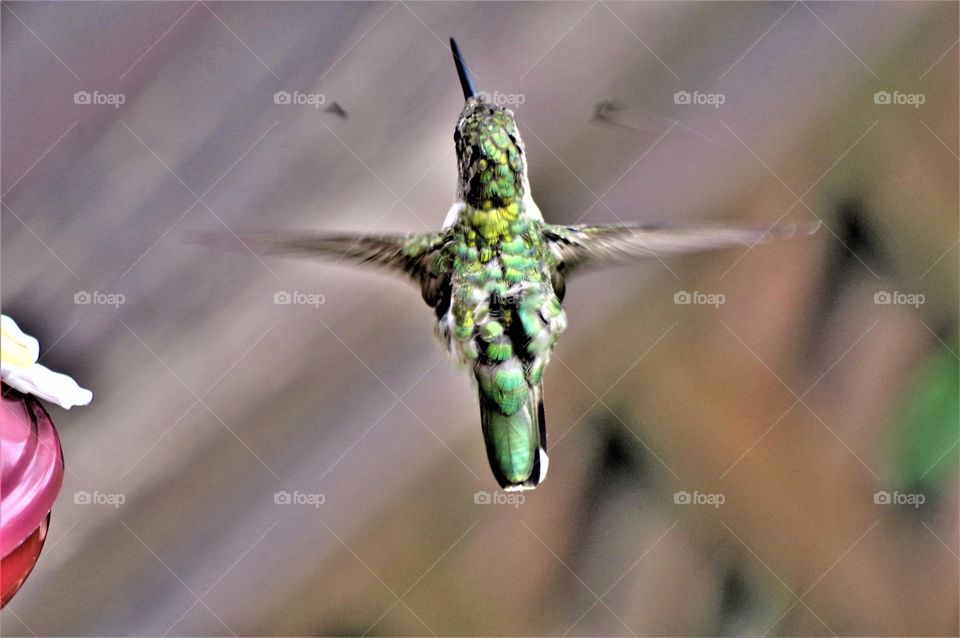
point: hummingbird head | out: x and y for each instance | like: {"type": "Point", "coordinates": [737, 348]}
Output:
{"type": "Point", "coordinates": [490, 152]}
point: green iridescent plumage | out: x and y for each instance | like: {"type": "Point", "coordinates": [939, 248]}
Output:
{"type": "Point", "coordinates": [501, 271]}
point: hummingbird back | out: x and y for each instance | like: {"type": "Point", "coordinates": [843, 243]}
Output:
{"type": "Point", "coordinates": [504, 317]}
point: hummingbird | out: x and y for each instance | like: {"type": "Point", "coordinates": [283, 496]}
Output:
{"type": "Point", "coordinates": [495, 275]}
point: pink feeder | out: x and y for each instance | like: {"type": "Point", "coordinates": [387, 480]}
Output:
{"type": "Point", "coordinates": [31, 473]}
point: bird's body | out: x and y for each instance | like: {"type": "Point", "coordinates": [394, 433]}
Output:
{"type": "Point", "coordinates": [502, 321]}
{"type": "Point", "coordinates": [495, 275]}
{"type": "Point", "coordinates": [497, 311]}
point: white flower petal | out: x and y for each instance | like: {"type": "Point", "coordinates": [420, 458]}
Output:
{"type": "Point", "coordinates": [19, 369]}
{"type": "Point", "coordinates": [16, 347]}
{"type": "Point", "coordinates": [47, 384]}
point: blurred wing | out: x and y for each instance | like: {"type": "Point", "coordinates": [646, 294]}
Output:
{"type": "Point", "coordinates": [416, 255]}
{"type": "Point", "coordinates": [404, 253]}
{"type": "Point", "coordinates": [611, 113]}
{"type": "Point", "coordinates": [579, 245]}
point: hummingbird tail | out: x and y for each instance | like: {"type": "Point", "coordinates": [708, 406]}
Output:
{"type": "Point", "coordinates": [512, 419]}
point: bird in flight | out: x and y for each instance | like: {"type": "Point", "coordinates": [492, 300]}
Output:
{"type": "Point", "coordinates": [495, 275]}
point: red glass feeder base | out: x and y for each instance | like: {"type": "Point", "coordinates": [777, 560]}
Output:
{"type": "Point", "coordinates": [16, 566]}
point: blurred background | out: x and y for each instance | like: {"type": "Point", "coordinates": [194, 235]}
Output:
{"type": "Point", "coordinates": [778, 456]}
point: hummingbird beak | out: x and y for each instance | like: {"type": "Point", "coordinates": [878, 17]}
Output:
{"type": "Point", "coordinates": [466, 81]}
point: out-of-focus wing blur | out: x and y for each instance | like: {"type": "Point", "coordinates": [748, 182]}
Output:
{"type": "Point", "coordinates": [580, 244]}
{"type": "Point", "coordinates": [734, 436]}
